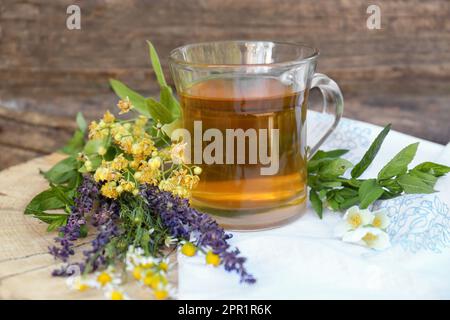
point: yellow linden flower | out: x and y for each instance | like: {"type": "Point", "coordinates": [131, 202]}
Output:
{"type": "Point", "coordinates": [127, 186]}
{"type": "Point", "coordinates": [119, 163]}
{"type": "Point", "coordinates": [141, 121]}
{"type": "Point", "coordinates": [154, 163]}
{"type": "Point", "coordinates": [88, 165]}
{"type": "Point", "coordinates": [109, 190]}
{"type": "Point", "coordinates": [124, 105]}
{"type": "Point", "coordinates": [188, 249]}
{"type": "Point", "coordinates": [212, 258]}
{"type": "Point", "coordinates": [177, 153]}
{"type": "Point", "coordinates": [93, 129]}
{"type": "Point", "coordinates": [104, 278]}
{"type": "Point", "coordinates": [147, 174]}
{"type": "Point", "coordinates": [101, 150]}
{"type": "Point", "coordinates": [137, 175]}
{"type": "Point", "coordinates": [108, 117]}
{"type": "Point", "coordinates": [189, 181]}
{"type": "Point", "coordinates": [197, 170]}
{"type": "Point", "coordinates": [161, 294]}
{"type": "Point", "coordinates": [104, 173]}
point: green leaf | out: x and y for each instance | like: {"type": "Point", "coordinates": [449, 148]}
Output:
{"type": "Point", "coordinates": [399, 164]}
{"type": "Point", "coordinates": [435, 169]}
{"type": "Point", "coordinates": [330, 184]}
{"type": "Point", "coordinates": [92, 146]}
{"type": "Point", "coordinates": [75, 144]}
{"type": "Point", "coordinates": [81, 122]}
{"type": "Point", "coordinates": [167, 98]}
{"type": "Point", "coordinates": [334, 168]}
{"type": "Point", "coordinates": [55, 221]}
{"type": "Point", "coordinates": [137, 100]}
{"type": "Point", "coordinates": [370, 154]}
{"type": "Point", "coordinates": [156, 65]}
{"type": "Point", "coordinates": [333, 154]}
{"type": "Point", "coordinates": [316, 203]}
{"type": "Point", "coordinates": [350, 202]}
{"type": "Point", "coordinates": [62, 172]}
{"type": "Point", "coordinates": [425, 177]}
{"type": "Point", "coordinates": [414, 185]}
{"type": "Point", "coordinates": [159, 112]}
{"type": "Point", "coordinates": [369, 191]}
{"type": "Point", "coordinates": [46, 200]}
{"type": "Point", "coordinates": [321, 158]}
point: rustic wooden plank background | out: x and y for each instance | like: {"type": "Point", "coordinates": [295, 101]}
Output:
{"type": "Point", "coordinates": [399, 74]}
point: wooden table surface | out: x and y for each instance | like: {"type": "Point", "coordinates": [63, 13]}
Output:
{"type": "Point", "coordinates": [25, 265]}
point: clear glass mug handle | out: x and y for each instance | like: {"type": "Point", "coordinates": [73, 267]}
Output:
{"type": "Point", "coordinates": [332, 95]}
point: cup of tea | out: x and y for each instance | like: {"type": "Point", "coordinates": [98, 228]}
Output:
{"type": "Point", "coordinates": [244, 107]}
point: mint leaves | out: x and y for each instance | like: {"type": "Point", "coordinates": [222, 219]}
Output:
{"type": "Point", "coordinates": [329, 188]}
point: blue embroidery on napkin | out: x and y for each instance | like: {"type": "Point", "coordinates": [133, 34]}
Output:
{"type": "Point", "coordinates": [418, 222]}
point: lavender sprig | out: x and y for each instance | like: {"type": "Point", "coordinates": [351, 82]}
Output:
{"type": "Point", "coordinates": [184, 221]}
{"type": "Point", "coordinates": [87, 193]}
{"type": "Point", "coordinates": [106, 219]}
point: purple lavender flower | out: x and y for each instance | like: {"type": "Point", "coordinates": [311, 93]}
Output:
{"type": "Point", "coordinates": [184, 221]}
{"type": "Point", "coordinates": [87, 193]}
{"type": "Point", "coordinates": [106, 219]}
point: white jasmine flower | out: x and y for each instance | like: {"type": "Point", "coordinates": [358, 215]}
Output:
{"type": "Point", "coordinates": [368, 236]}
{"type": "Point", "coordinates": [380, 220]}
{"type": "Point", "coordinates": [354, 218]}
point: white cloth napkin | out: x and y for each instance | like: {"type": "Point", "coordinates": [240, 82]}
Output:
{"type": "Point", "coordinates": [304, 260]}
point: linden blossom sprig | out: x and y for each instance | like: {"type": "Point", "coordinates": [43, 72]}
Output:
{"type": "Point", "coordinates": [330, 188]}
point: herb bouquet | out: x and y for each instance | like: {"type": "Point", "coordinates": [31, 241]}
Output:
{"type": "Point", "coordinates": [129, 180]}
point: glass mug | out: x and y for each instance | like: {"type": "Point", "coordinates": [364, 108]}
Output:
{"type": "Point", "coordinates": [244, 106]}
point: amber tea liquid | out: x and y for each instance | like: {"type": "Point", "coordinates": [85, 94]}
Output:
{"type": "Point", "coordinates": [230, 190]}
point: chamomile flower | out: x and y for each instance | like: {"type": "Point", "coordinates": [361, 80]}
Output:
{"type": "Point", "coordinates": [168, 241]}
{"type": "Point", "coordinates": [368, 236]}
{"type": "Point", "coordinates": [107, 278]}
{"type": "Point", "coordinates": [116, 294]}
{"type": "Point", "coordinates": [189, 249]}
{"type": "Point", "coordinates": [212, 259]}
{"type": "Point", "coordinates": [80, 283]}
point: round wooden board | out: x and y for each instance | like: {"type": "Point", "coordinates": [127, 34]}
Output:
{"type": "Point", "coordinates": [25, 265]}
